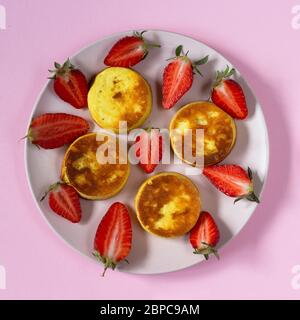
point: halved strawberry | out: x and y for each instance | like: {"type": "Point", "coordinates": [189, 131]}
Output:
{"type": "Point", "coordinates": [70, 84]}
{"type": "Point", "coordinates": [53, 130]}
{"type": "Point", "coordinates": [64, 200]}
{"type": "Point", "coordinates": [205, 235]}
{"type": "Point", "coordinates": [113, 237]}
{"type": "Point", "coordinates": [228, 95]}
{"type": "Point", "coordinates": [149, 144]}
{"type": "Point", "coordinates": [232, 180]}
{"type": "Point", "coordinates": [178, 77]}
{"type": "Point", "coordinates": [128, 51]}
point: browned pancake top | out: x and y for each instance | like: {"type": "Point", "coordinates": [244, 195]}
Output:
{"type": "Point", "coordinates": [86, 174]}
{"type": "Point", "coordinates": [168, 205]}
{"type": "Point", "coordinates": [219, 130]}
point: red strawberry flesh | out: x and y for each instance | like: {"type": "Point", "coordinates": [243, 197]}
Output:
{"type": "Point", "coordinates": [64, 200]}
{"type": "Point", "coordinates": [127, 52]}
{"type": "Point", "coordinates": [149, 149]}
{"type": "Point", "coordinates": [177, 80]}
{"type": "Point", "coordinates": [72, 88]}
{"type": "Point", "coordinates": [53, 130]}
{"type": "Point", "coordinates": [205, 235]}
{"type": "Point", "coordinates": [230, 97]}
{"type": "Point", "coordinates": [232, 180]}
{"type": "Point", "coordinates": [228, 94]}
{"type": "Point", "coordinates": [114, 236]}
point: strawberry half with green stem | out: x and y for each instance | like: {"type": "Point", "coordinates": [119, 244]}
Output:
{"type": "Point", "coordinates": [129, 51]}
{"type": "Point", "coordinates": [228, 95]}
{"type": "Point", "coordinates": [113, 238]}
{"type": "Point", "coordinates": [64, 200]}
{"type": "Point", "coordinates": [70, 84]}
{"type": "Point", "coordinates": [205, 235]}
{"type": "Point", "coordinates": [178, 77]}
{"type": "Point", "coordinates": [149, 149]}
{"type": "Point", "coordinates": [232, 180]}
{"type": "Point", "coordinates": [53, 130]}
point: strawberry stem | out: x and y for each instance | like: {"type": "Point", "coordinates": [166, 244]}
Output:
{"type": "Point", "coordinates": [172, 58]}
{"type": "Point", "coordinates": [44, 196]}
{"type": "Point", "coordinates": [139, 34]}
{"type": "Point", "coordinates": [104, 271]}
{"type": "Point", "coordinates": [28, 135]}
{"type": "Point", "coordinates": [108, 263]}
{"type": "Point", "coordinates": [153, 45]}
{"type": "Point", "coordinates": [223, 75]}
{"type": "Point", "coordinates": [25, 137]}
{"type": "Point", "coordinates": [251, 196]}
{"type": "Point", "coordinates": [61, 70]}
{"type": "Point", "coordinates": [52, 187]}
{"type": "Point", "coordinates": [206, 250]}
{"type": "Point", "coordinates": [179, 53]}
{"type": "Point", "coordinates": [146, 45]}
{"type": "Point", "coordinates": [198, 63]}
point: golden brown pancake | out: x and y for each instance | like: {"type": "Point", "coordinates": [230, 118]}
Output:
{"type": "Point", "coordinates": [168, 204]}
{"type": "Point", "coordinates": [119, 94]}
{"type": "Point", "coordinates": [91, 179]}
{"type": "Point", "coordinates": [219, 130]}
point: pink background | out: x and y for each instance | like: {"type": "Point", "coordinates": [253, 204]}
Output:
{"type": "Point", "coordinates": [255, 36]}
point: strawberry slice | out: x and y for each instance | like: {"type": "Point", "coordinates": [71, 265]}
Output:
{"type": "Point", "coordinates": [232, 180]}
{"type": "Point", "coordinates": [128, 51]}
{"type": "Point", "coordinates": [178, 77]}
{"type": "Point", "coordinates": [70, 84]}
{"type": "Point", "coordinates": [228, 95]}
{"type": "Point", "coordinates": [53, 130]}
{"type": "Point", "coordinates": [149, 146]}
{"type": "Point", "coordinates": [113, 237]}
{"type": "Point", "coordinates": [64, 200]}
{"type": "Point", "coordinates": [205, 235]}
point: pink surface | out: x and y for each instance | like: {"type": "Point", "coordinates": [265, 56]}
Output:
{"type": "Point", "coordinates": [258, 38]}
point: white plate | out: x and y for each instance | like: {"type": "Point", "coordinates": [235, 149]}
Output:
{"type": "Point", "coordinates": [151, 254]}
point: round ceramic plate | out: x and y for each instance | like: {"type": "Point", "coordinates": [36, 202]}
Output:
{"type": "Point", "coordinates": [151, 254]}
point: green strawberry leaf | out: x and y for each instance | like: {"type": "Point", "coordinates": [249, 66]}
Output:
{"type": "Point", "coordinates": [201, 61]}
{"type": "Point", "coordinates": [250, 175]}
{"type": "Point", "coordinates": [178, 50]}
{"type": "Point", "coordinates": [198, 71]}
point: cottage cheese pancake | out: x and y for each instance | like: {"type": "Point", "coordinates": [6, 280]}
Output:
{"type": "Point", "coordinates": [90, 178]}
{"type": "Point", "coordinates": [168, 204]}
{"type": "Point", "coordinates": [119, 94]}
{"type": "Point", "coordinates": [219, 131]}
